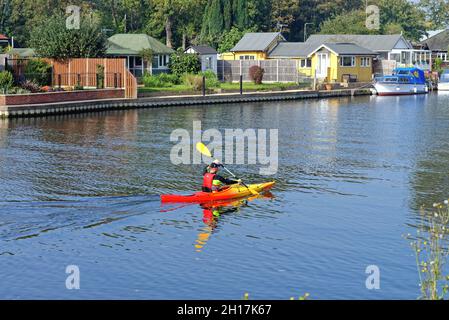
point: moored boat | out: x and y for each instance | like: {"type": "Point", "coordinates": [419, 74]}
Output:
{"type": "Point", "coordinates": [404, 81]}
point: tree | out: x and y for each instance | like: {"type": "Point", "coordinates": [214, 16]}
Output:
{"type": "Point", "coordinates": [51, 39]}
{"type": "Point", "coordinates": [283, 12]}
{"type": "Point", "coordinates": [350, 23]}
{"type": "Point", "coordinates": [230, 39]}
{"type": "Point", "coordinates": [182, 63]}
{"type": "Point", "coordinates": [213, 23]}
{"type": "Point", "coordinates": [437, 13]}
{"type": "Point", "coordinates": [405, 14]}
{"type": "Point", "coordinates": [240, 10]}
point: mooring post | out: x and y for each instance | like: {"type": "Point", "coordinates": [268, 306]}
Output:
{"type": "Point", "coordinates": [241, 84]}
{"type": "Point", "coordinates": [204, 86]}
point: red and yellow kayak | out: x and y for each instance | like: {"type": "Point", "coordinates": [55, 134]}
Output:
{"type": "Point", "coordinates": [233, 192]}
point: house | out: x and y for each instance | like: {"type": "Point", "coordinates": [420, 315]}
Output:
{"type": "Point", "coordinates": [130, 46]}
{"type": "Point", "coordinates": [4, 41]}
{"type": "Point", "coordinates": [342, 62]}
{"type": "Point", "coordinates": [296, 51]}
{"type": "Point", "coordinates": [438, 44]}
{"type": "Point", "coordinates": [208, 57]}
{"type": "Point", "coordinates": [254, 46]}
{"type": "Point", "coordinates": [387, 47]}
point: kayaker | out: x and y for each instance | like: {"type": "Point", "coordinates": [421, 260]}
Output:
{"type": "Point", "coordinates": [212, 181]}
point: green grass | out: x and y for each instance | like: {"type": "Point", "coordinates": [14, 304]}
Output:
{"type": "Point", "coordinates": [224, 86]}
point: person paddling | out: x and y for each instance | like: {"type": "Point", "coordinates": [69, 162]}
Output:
{"type": "Point", "coordinates": [212, 181]}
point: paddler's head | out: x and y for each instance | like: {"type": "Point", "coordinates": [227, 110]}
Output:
{"type": "Point", "coordinates": [214, 167]}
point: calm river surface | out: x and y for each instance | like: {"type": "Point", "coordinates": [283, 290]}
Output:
{"type": "Point", "coordinates": [84, 190]}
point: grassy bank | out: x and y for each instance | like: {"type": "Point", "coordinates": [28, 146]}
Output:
{"type": "Point", "coordinates": [223, 87]}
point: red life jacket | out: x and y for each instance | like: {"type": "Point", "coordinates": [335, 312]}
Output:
{"type": "Point", "coordinates": [208, 180]}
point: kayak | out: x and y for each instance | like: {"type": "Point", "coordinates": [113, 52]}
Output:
{"type": "Point", "coordinates": [232, 192]}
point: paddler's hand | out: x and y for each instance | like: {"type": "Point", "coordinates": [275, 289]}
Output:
{"type": "Point", "coordinates": [239, 181]}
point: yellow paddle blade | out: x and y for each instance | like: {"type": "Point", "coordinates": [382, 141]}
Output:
{"type": "Point", "coordinates": [203, 149]}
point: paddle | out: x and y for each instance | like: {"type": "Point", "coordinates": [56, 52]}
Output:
{"type": "Point", "coordinates": [205, 151]}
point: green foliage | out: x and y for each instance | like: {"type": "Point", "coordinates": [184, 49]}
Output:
{"type": "Point", "coordinates": [230, 39]}
{"type": "Point", "coordinates": [348, 23]}
{"type": "Point", "coordinates": [162, 80]}
{"type": "Point", "coordinates": [52, 39]}
{"type": "Point", "coordinates": [6, 81]}
{"type": "Point", "coordinates": [147, 54]}
{"type": "Point", "coordinates": [182, 63]}
{"type": "Point", "coordinates": [38, 71]}
{"type": "Point", "coordinates": [438, 65]}
{"type": "Point", "coordinates": [193, 81]}
{"type": "Point", "coordinates": [30, 86]}
{"type": "Point", "coordinates": [211, 79]}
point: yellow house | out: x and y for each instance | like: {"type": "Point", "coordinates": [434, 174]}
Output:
{"type": "Point", "coordinates": [337, 62]}
{"type": "Point", "coordinates": [295, 51]}
{"type": "Point", "coordinates": [254, 46]}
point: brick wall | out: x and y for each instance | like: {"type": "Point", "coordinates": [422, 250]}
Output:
{"type": "Point", "coordinates": [55, 97]}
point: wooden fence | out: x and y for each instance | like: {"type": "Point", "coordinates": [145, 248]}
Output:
{"type": "Point", "coordinates": [83, 72]}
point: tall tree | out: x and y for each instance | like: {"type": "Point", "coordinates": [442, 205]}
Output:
{"type": "Point", "coordinates": [283, 12]}
{"type": "Point", "coordinates": [437, 13]}
{"type": "Point", "coordinates": [240, 10]}
{"type": "Point", "coordinates": [347, 23]}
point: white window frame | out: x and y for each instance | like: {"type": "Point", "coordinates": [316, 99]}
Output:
{"type": "Point", "coordinates": [306, 63]}
{"type": "Point", "coordinates": [442, 56]}
{"type": "Point", "coordinates": [365, 62]}
{"type": "Point", "coordinates": [353, 61]}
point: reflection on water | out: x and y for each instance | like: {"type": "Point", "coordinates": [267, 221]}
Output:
{"type": "Point", "coordinates": [84, 189]}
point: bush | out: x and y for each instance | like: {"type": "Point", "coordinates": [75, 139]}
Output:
{"type": "Point", "coordinates": [162, 80]}
{"type": "Point", "coordinates": [211, 79]}
{"type": "Point", "coordinates": [256, 74]}
{"type": "Point", "coordinates": [194, 81]}
{"type": "Point", "coordinates": [18, 90]}
{"type": "Point", "coordinates": [38, 71]}
{"type": "Point", "coordinates": [6, 81]}
{"type": "Point", "coordinates": [183, 63]}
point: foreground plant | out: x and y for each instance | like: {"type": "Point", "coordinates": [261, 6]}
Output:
{"type": "Point", "coordinates": [431, 251]}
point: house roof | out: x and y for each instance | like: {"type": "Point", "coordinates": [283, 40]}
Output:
{"type": "Point", "coordinates": [203, 49]}
{"type": "Point", "coordinates": [348, 48]}
{"type": "Point", "coordinates": [439, 42]}
{"type": "Point", "coordinates": [132, 44]}
{"type": "Point", "coordinates": [3, 37]}
{"type": "Point", "coordinates": [257, 41]}
{"type": "Point", "coordinates": [376, 43]}
{"type": "Point", "coordinates": [292, 50]}
{"type": "Point", "coordinates": [430, 34]}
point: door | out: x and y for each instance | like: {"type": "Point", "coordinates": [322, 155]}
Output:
{"type": "Point", "coordinates": [322, 65]}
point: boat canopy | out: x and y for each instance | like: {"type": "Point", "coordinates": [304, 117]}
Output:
{"type": "Point", "coordinates": [417, 74]}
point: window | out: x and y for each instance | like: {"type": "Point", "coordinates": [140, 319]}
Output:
{"type": "Point", "coordinates": [365, 62]}
{"type": "Point", "coordinates": [246, 57]}
{"type": "Point", "coordinates": [208, 63]}
{"type": "Point", "coordinates": [155, 62]}
{"type": "Point", "coordinates": [306, 63]}
{"type": "Point", "coordinates": [163, 61]}
{"type": "Point", "coordinates": [442, 56]}
{"type": "Point", "coordinates": [348, 61]}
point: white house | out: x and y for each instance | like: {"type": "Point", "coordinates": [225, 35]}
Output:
{"type": "Point", "coordinates": [208, 57]}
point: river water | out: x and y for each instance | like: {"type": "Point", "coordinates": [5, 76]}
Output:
{"type": "Point", "coordinates": [84, 190]}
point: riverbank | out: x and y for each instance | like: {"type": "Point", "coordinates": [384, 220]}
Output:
{"type": "Point", "coordinates": [167, 101]}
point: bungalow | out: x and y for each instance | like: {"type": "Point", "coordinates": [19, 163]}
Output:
{"type": "Point", "coordinates": [438, 44]}
{"type": "Point", "coordinates": [340, 62]}
{"type": "Point", "coordinates": [387, 47]}
{"type": "Point", "coordinates": [208, 57]}
{"type": "Point", "coordinates": [296, 51]}
{"type": "Point", "coordinates": [254, 46]}
{"type": "Point", "coordinates": [130, 46]}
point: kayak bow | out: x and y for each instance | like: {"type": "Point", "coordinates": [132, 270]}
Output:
{"type": "Point", "coordinates": [233, 192]}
